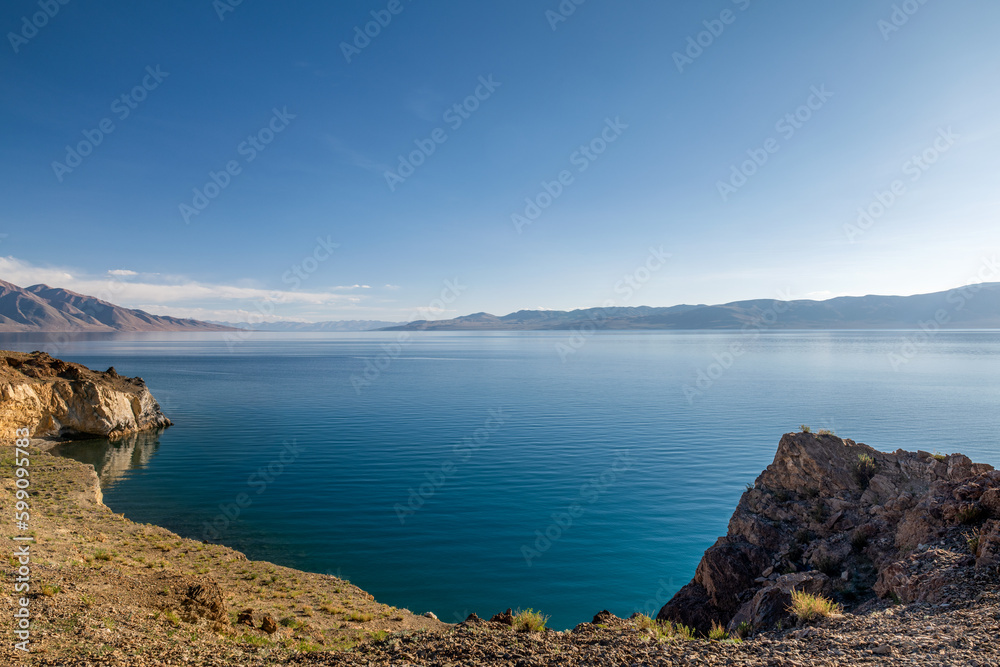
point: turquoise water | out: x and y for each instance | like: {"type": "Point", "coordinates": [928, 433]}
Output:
{"type": "Point", "coordinates": [430, 485]}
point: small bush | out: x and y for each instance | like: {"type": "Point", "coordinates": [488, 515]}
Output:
{"type": "Point", "coordinates": [864, 469]}
{"type": "Point", "coordinates": [48, 591]}
{"type": "Point", "coordinates": [826, 431]}
{"type": "Point", "coordinates": [861, 536]}
{"type": "Point", "coordinates": [743, 630]}
{"type": "Point", "coordinates": [828, 565]}
{"type": "Point", "coordinates": [717, 633]}
{"type": "Point", "coordinates": [529, 620]}
{"type": "Point", "coordinates": [938, 456]}
{"type": "Point", "coordinates": [664, 630]}
{"type": "Point", "coordinates": [359, 617]}
{"type": "Point", "coordinates": [971, 514]}
{"type": "Point", "coordinates": [972, 540]}
{"type": "Point", "coordinates": [805, 429]}
{"type": "Point", "coordinates": [290, 622]}
{"type": "Point", "coordinates": [172, 618]}
{"type": "Point", "coordinates": [101, 554]}
{"type": "Point", "coordinates": [807, 607]}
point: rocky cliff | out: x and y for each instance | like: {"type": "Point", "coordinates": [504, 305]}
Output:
{"type": "Point", "coordinates": [56, 399]}
{"type": "Point", "coordinates": [839, 518]}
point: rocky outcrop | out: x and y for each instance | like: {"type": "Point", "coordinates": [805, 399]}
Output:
{"type": "Point", "coordinates": [56, 399]}
{"type": "Point", "coordinates": [839, 518]}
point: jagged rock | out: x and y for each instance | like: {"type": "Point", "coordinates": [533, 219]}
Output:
{"type": "Point", "coordinates": [245, 617]}
{"type": "Point", "coordinates": [473, 620]}
{"type": "Point", "coordinates": [605, 617]}
{"type": "Point", "coordinates": [851, 511]}
{"type": "Point", "coordinates": [506, 617]}
{"type": "Point", "coordinates": [61, 400]}
{"type": "Point", "coordinates": [268, 624]}
{"type": "Point", "coordinates": [204, 599]}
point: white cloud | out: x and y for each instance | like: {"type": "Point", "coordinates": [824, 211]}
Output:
{"type": "Point", "coordinates": [179, 291]}
{"type": "Point", "coordinates": [122, 272]}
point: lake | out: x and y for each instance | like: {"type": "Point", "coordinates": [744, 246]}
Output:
{"type": "Point", "coordinates": [476, 471]}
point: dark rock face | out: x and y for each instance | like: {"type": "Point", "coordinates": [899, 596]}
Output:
{"type": "Point", "coordinates": [836, 517]}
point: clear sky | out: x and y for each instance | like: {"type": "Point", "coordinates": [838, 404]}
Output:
{"type": "Point", "coordinates": [641, 125]}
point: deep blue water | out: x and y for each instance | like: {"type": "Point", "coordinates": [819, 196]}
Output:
{"type": "Point", "coordinates": [604, 442]}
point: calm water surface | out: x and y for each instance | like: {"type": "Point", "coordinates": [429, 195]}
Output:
{"type": "Point", "coordinates": [480, 471]}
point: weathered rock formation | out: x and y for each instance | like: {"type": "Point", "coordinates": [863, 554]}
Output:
{"type": "Point", "coordinates": [56, 399]}
{"type": "Point", "coordinates": [839, 518]}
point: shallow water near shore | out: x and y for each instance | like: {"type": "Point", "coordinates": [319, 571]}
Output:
{"type": "Point", "coordinates": [479, 471]}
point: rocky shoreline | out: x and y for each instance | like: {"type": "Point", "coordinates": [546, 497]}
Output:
{"type": "Point", "coordinates": [60, 400]}
{"type": "Point", "coordinates": [907, 543]}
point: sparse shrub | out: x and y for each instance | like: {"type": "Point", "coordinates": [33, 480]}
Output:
{"type": "Point", "coordinates": [682, 631]}
{"type": "Point", "coordinates": [938, 456]}
{"type": "Point", "coordinates": [359, 617]}
{"type": "Point", "coordinates": [528, 620]}
{"type": "Point", "coordinates": [861, 536]}
{"type": "Point", "coordinates": [971, 514]}
{"type": "Point", "coordinates": [48, 591]}
{"type": "Point", "coordinates": [743, 630]}
{"type": "Point", "coordinates": [101, 554]}
{"type": "Point", "coordinates": [172, 618]}
{"type": "Point", "coordinates": [290, 622]}
{"type": "Point", "coordinates": [807, 607]}
{"type": "Point", "coordinates": [380, 635]}
{"type": "Point", "coordinates": [828, 565]}
{"type": "Point", "coordinates": [87, 600]}
{"type": "Point", "coordinates": [665, 630]}
{"type": "Point", "coordinates": [805, 429]}
{"type": "Point", "coordinates": [826, 431]}
{"type": "Point", "coordinates": [717, 633]}
{"type": "Point", "coordinates": [972, 540]}
{"type": "Point", "coordinates": [864, 469]}
{"type": "Point", "coordinates": [750, 486]}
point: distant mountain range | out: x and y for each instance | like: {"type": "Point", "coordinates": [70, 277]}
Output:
{"type": "Point", "coordinates": [338, 325]}
{"type": "Point", "coordinates": [973, 307]}
{"type": "Point", "coordinates": [44, 308]}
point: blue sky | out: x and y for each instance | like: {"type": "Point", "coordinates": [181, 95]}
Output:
{"type": "Point", "coordinates": [311, 229]}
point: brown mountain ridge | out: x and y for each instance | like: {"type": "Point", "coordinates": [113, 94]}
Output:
{"type": "Point", "coordinates": [52, 309]}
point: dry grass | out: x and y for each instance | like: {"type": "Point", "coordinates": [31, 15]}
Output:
{"type": "Point", "coordinates": [807, 607]}
{"type": "Point", "coordinates": [529, 620]}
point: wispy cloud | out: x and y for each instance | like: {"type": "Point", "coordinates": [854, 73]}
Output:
{"type": "Point", "coordinates": [354, 157]}
{"type": "Point", "coordinates": [176, 291]}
